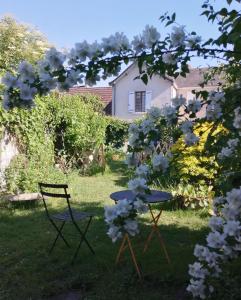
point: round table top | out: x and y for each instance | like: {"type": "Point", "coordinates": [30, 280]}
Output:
{"type": "Point", "coordinates": [154, 197]}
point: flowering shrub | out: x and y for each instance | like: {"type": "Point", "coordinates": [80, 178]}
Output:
{"type": "Point", "coordinates": [167, 57]}
{"type": "Point", "coordinates": [196, 164]}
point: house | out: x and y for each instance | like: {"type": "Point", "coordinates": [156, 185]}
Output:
{"type": "Point", "coordinates": [131, 98]}
{"type": "Point", "coordinates": [105, 94]}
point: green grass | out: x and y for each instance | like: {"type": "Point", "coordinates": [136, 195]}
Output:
{"type": "Point", "coordinates": [27, 271]}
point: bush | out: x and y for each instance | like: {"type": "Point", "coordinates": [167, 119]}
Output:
{"type": "Point", "coordinates": [23, 174]}
{"type": "Point", "coordinates": [63, 129]}
{"type": "Point", "coordinates": [196, 164]}
{"type": "Point", "coordinates": [78, 129]}
{"type": "Point", "coordinates": [116, 132]}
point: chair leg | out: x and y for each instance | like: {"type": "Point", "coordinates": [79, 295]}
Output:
{"type": "Point", "coordinates": [59, 234]}
{"type": "Point", "coordinates": [83, 238]}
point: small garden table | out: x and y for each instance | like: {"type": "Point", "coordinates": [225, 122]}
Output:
{"type": "Point", "coordinates": [154, 197]}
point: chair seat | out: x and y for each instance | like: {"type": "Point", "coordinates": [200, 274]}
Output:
{"type": "Point", "coordinates": [77, 215]}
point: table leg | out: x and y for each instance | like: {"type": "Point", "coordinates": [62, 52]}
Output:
{"type": "Point", "coordinates": [155, 220]}
{"type": "Point", "coordinates": [126, 242]}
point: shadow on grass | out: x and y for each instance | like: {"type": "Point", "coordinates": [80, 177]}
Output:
{"type": "Point", "coordinates": [120, 168]}
{"type": "Point", "coordinates": [28, 272]}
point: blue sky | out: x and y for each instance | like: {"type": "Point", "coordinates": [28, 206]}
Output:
{"type": "Point", "coordinates": [66, 22]}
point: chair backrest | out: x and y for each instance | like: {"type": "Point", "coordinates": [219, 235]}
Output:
{"type": "Point", "coordinates": [46, 190]}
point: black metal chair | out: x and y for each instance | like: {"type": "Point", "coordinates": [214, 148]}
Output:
{"type": "Point", "coordinates": [69, 215]}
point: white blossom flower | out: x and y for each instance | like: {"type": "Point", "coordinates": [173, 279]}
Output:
{"type": "Point", "coordinates": [94, 50]}
{"type": "Point", "coordinates": [169, 58]}
{"type": "Point", "coordinates": [234, 199]}
{"type": "Point", "coordinates": [131, 160]}
{"type": "Point", "coordinates": [232, 228]}
{"type": "Point", "coordinates": [47, 81]}
{"type": "Point", "coordinates": [233, 143]}
{"type": "Point", "coordinates": [198, 271]}
{"type": "Point", "coordinates": [213, 111]}
{"type": "Point", "coordinates": [110, 213]}
{"type": "Point", "coordinates": [54, 59]}
{"type": "Point", "coordinates": [178, 101]}
{"type": "Point", "coordinates": [193, 40]}
{"type": "Point", "coordinates": [133, 140]}
{"type": "Point", "coordinates": [215, 223]}
{"type": "Point", "coordinates": [178, 36]}
{"type": "Point", "coordinates": [154, 113]}
{"type": "Point", "coordinates": [133, 129]}
{"type": "Point", "coordinates": [216, 96]}
{"type": "Point", "coordinates": [115, 43]}
{"type": "Point", "coordinates": [123, 208]}
{"type": "Point", "coordinates": [114, 233]}
{"type": "Point", "coordinates": [150, 35]}
{"type": "Point", "coordinates": [147, 125]}
{"type": "Point", "coordinates": [194, 106]}
{"type": "Point", "coordinates": [186, 126]}
{"type": "Point", "coordinates": [26, 72]}
{"type": "Point", "coordinates": [10, 81]}
{"type": "Point", "coordinates": [142, 171]}
{"type": "Point", "coordinates": [216, 240]}
{"type": "Point", "coordinates": [170, 113]}
{"type": "Point", "coordinates": [225, 152]}
{"type": "Point", "coordinates": [237, 118]}
{"type": "Point", "coordinates": [160, 162]}
{"type": "Point", "coordinates": [197, 288]}
{"type": "Point", "coordinates": [137, 185]}
{"type": "Point", "coordinates": [229, 212]}
{"type": "Point", "coordinates": [26, 92]}
{"type": "Point", "coordinates": [138, 43]}
{"type": "Point", "coordinates": [140, 206]}
{"type": "Point", "coordinates": [131, 226]}
{"type": "Point", "coordinates": [190, 139]}
{"type": "Point", "coordinates": [81, 51]}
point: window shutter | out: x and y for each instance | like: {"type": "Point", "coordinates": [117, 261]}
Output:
{"type": "Point", "coordinates": [148, 100]}
{"type": "Point", "coordinates": [131, 102]}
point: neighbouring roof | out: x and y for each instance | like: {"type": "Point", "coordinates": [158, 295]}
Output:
{"type": "Point", "coordinates": [125, 72]}
{"type": "Point", "coordinates": [105, 94]}
{"type": "Point", "coordinates": [195, 77]}
{"type": "Point", "coordinates": [192, 80]}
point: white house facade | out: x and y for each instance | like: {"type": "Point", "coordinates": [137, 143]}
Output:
{"type": "Point", "coordinates": [131, 98]}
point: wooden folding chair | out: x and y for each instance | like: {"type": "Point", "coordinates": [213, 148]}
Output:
{"type": "Point", "coordinates": [69, 215]}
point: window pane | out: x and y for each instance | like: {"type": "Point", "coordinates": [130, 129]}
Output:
{"type": "Point", "coordinates": [140, 101]}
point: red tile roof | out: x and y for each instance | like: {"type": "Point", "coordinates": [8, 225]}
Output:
{"type": "Point", "coordinates": [105, 93]}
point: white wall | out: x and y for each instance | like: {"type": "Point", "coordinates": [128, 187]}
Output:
{"type": "Point", "coordinates": [161, 92]}
{"type": "Point", "coordinates": [8, 150]}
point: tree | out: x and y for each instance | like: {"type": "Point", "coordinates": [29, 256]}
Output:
{"type": "Point", "coordinates": [19, 42]}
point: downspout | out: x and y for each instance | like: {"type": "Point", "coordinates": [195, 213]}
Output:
{"type": "Point", "coordinates": [113, 99]}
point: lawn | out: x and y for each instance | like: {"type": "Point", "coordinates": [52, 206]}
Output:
{"type": "Point", "coordinates": [27, 271]}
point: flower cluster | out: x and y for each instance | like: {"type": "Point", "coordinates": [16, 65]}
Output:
{"type": "Point", "coordinates": [223, 243]}
{"type": "Point", "coordinates": [62, 71]}
{"type": "Point", "coordinates": [121, 217]}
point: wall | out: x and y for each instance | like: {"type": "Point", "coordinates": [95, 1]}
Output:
{"type": "Point", "coordinates": [161, 92]}
{"type": "Point", "coordinates": [8, 150]}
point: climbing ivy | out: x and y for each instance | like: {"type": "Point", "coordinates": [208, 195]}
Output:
{"type": "Point", "coordinates": [60, 133]}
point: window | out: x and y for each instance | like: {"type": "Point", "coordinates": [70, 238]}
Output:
{"type": "Point", "coordinates": [140, 99]}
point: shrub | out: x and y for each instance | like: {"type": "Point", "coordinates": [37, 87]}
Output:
{"type": "Point", "coordinates": [62, 129]}
{"type": "Point", "coordinates": [116, 132]}
{"type": "Point", "coordinates": [23, 174]}
{"type": "Point", "coordinates": [196, 164]}
{"type": "Point", "coordinates": [79, 130]}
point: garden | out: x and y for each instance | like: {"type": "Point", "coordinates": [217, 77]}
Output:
{"type": "Point", "coordinates": [65, 138]}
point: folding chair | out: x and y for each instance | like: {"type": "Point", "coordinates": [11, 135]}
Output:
{"type": "Point", "coordinates": [69, 215]}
